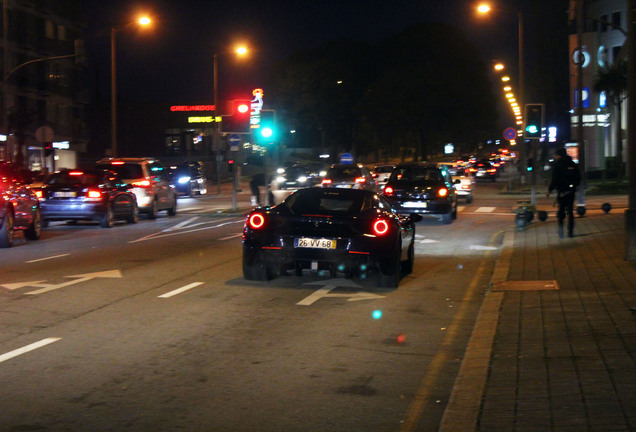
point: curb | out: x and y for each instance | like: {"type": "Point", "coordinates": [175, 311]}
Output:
{"type": "Point", "coordinates": [464, 404]}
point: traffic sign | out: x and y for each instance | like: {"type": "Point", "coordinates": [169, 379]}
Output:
{"type": "Point", "coordinates": [510, 134]}
{"type": "Point", "coordinates": [234, 140]}
{"type": "Point", "coordinates": [346, 158]}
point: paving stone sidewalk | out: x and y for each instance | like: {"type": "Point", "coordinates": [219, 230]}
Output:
{"type": "Point", "coordinates": [545, 359]}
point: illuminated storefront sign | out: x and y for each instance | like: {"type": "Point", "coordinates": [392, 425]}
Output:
{"type": "Point", "coordinates": [192, 108]}
{"type": "Point", "coordinates": [204, 119]}
{"type": "Point", "coordinates": [256, 107]}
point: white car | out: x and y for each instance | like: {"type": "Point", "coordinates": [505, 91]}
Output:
{"type": "Point", "coordinates": [381, 174]}
{"type": "Point", "coordinates": [464, 186]}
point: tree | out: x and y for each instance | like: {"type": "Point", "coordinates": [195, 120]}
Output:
{"type": "Point", "coordinates": [612, 79]}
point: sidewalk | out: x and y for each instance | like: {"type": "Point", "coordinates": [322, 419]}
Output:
{"type": "Point", "coordinates": [554, 345]}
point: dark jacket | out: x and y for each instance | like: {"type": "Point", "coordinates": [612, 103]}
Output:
{"type": "Point", "coordinates": [565, 175]}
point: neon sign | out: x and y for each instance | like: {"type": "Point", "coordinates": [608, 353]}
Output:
{"type": "Point", "coordinates": [205, 119]}
{"type": "Point", "coordinates": [193, 108]}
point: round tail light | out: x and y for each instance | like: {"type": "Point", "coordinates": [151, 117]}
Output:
{"type": "Point", "coordinates": [380, 227]}
{"type": "Point", "coordinates": [256, 221]}
{"type": "Point", "coordinates": [442, 192]}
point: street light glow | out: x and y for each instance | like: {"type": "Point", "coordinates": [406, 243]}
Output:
{"type": "Point", "coordinates": [241, 50]}
{"type": "Point", "coordinates": [144, 20]}
{"type": "Point", "coordinates": [483, 8]}
{"type": "Point", "coordinates": [499, 66]}
{"type": "Point", "coordinates": [505, 78]}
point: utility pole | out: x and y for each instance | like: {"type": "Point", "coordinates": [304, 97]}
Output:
{"type": "Point", "coordinates": [630, 213]}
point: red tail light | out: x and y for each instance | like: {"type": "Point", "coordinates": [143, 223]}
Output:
{"type": "Point", "coordinates": [93, 194]}
{"type": "Point", "coordinates": [38, 193]}
{"type": "Point", "coordinates": [380, 227]}
{"type": "Point", "coordinates": [142, 183]}
{"type": "Point", "coordinates": [442, 192]}
{"type": "Point", "coordinates": [326, 181]}
{"type": "Point", "coordinates": [492, 170]}
{"type": "Point", "coordinates": [256, 221]}
{"type": "Point", "coordinates": [388, 190]}
{"type": "Point", "coordinates": [360, 180]}
{"type": "Point", "coordinates": [75, 173]}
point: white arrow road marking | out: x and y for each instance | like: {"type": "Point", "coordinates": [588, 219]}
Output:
{"type": "Point", "coordinates": [332, 284]}
{"type": "Point", "coordinates": [180, 290]}
{"type": "Point", "coordinates": [429, 241]}
{"type": "Point", "coordinates": [26, 349]}
{"type": "Point", "coordinates": [50, 287]}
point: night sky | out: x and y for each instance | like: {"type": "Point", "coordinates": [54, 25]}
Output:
{"type": "Point", "coordinates": [173, 61]}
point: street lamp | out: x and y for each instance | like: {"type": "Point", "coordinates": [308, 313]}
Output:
{"type": "Point", "coordinates": [240, 51]}
{"type": "Point", "coordinates": [142, 21]}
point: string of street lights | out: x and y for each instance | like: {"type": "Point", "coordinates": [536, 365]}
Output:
{"type": "Point", "coordinates": [512, 101]}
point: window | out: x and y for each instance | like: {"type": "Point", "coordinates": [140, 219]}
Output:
{"type": "Point", "coordinates": [616, 20]}
{"type": "Point", "coordinates": [49, 29]}
{"type": "Point", "coordinates": [604, 19]}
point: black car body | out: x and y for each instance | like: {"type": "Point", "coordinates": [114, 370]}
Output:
{"type": "Point", "coordinates": [19, 207]}
{"type": "Point", "coordinates": [349, 176]}
{"type": "Point", "coordinates": [94, 195]}
{"type": "Point", "coordinates": [484, 169]}
{"type": "Point", "coordinates": [422, 189]}
{"type": "Point", "coordinates": [188, 178]}
{"type": "Point", "coordinates": [348, 231]}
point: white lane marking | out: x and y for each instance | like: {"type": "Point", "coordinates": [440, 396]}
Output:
{"type": "Point", "coordinates": [484, 248]}
{"type": "Point", "coordinates": [180, 290]}
{"type": "Point", "coordinates": [429, 241]}
{"type": "Point", "coordinates": [47, 258]}
{"type": "Point", "coordinates": [231, 236]}
{"type": "Point", "coordinates": [461, 208]}
{"type": "Point", "coordinates": [182, 224]}
{"type": "Point", "coordinates": [485, 209]}
{"type": "Point", "coordinates": [50, 287]}
{"type": "Point", "coordinates": [26, 349]}
{"type": "Point", "coordinates": [170, 232]}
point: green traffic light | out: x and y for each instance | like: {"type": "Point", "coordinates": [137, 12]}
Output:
{"type": "Point", "coordinates": [267, 132]}
{"type": "Point", "coordinates": [533, 129]}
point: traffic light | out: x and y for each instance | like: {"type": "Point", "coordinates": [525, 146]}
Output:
{"type": "Point", "coordinates": [48, 149]}
{"type": "Point", "coordinates": [534, 121]}
{"type": "Point", "coordinates": [530, 165]}
{"type": "Point", "coordinates": [230, 165]}
{"type": "Point", "coordinates": [239, 121]}
{"type": "Point", "coordinates": [266, 132]}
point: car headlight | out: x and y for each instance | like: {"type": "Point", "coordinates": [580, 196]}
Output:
{"type": "Point", "coordinates": [280, 170]}
{"type": "Point", "coordinates": [302, 179]}
{"type": "Point", "coordinates": [183, 179]}
{"type": "Point", "coordinates": [280, 179]}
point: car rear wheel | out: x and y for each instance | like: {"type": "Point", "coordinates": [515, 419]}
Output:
{"type": "Point", "coordinates": [173, 210]}
{"type": "Point", "coordinates": [35, 229]}
{"type": "Point", "coordinates": [152, 214]}
{"type": "Point", "coordinates": [134, 215]}
{"type": "Point", "coordinates": [389, 276]}
{"type": "Point", "coordinates": [107, 219]}
{"type": "Point", "coordinates": [6, 231]}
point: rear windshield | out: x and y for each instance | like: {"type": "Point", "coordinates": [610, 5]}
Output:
{"type": "Point", "coordinates": [125, 171]}
{"type": "Point", "coordinates": [344, 173]}
{"type": "Point", "coordinates": [321, 202]}
{"type": "Point", "coordinates": [74, 178]}
{"type": "Point", "coordinates": [386, 169]}
{"type": "Point", "coordinates": [416, 174]}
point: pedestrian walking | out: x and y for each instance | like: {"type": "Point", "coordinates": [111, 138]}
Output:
{"type": "Point", "coordinates": [565, 180]}
{"type": "Point", "coordinates": [256, 181]}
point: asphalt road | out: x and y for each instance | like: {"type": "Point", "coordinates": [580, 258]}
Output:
{"type": "Point", "coordinates": [152, 327]}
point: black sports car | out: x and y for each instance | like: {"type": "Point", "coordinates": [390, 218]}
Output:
{"type": "Point", "coordinates": [95, 195]}
{"type": "Point", "coordinates": [422, 189]}
{"type": "Point", "coordinates": [352, 232]}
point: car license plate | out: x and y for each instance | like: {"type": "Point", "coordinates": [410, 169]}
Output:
{"type": "Point", "coordinates": [344, 186]}
{"type": "Point", "coordinates": [415, 204]}
{"type": "Point", "coordinates": [64, 194]}
{"type": "Point", "coordinates": [314, 243]}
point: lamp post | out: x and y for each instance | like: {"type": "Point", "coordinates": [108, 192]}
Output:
{"type": "Point", "coordinates": [143, 21]}
{"type": "Point", "coordinates": [630, 213]}
{"type": "Point", "coordinates": [484, 8]}
{"type": "Point", "coordinates": [241, 50]}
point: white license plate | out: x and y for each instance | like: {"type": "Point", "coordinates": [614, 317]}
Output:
{"type": "Point", "coordinates": [314, 243]}
{"type": "Point", "coordinates": [415, 204]}
{"type": "Point", "coordinates": [64, 194]}
{"type": "Point", "coordinates": [344, 186]}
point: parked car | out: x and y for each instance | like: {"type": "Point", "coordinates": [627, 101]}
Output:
{"type": "Point", "coordinates": [92, 195]}
{"type": "Point", "coordinates": [19, 207]}
{"type": "Point", "coordinates": [349, 176]}
{"type": "Point", "coordinates": [188, 178]}
{"type": "Point", "coordinates": [343, 231]}
{"type": "Point", "coordinates": [150, 183]}
{"type": "Point", "coordinates": [381, 173]}
{"type": "Point", "coordinates": [423, 189]}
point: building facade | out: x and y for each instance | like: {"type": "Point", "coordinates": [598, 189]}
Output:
{"type": "Point", "coordinates": [603, 40]}
{"type": "Point", "coordinates": [41, 98]}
